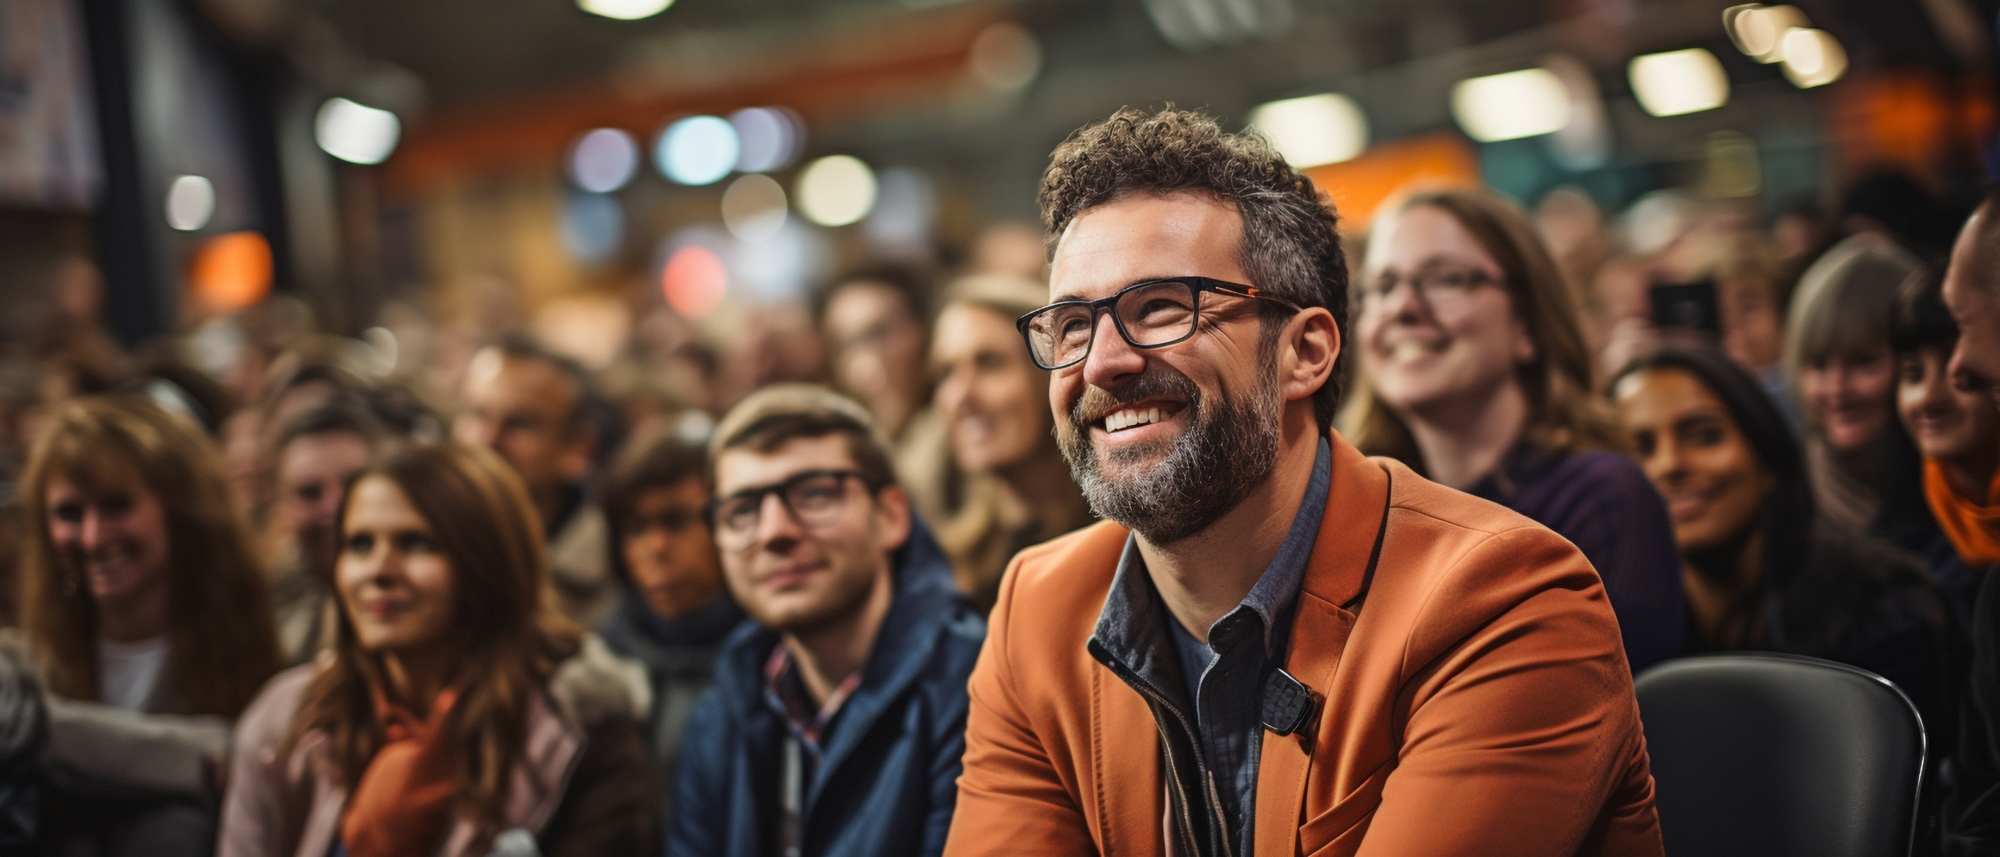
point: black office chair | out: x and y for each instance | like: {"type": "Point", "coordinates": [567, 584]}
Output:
{"type": "Point", "coordinates": [1781, 756]}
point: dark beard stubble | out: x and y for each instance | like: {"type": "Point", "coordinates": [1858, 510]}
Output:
{"type": "Point", "coordinates": [1228, 451]}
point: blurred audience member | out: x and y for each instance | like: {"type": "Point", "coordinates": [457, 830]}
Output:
{"type": "Point", "coordinates": [1897, 206]}
{"type": "Point", "coordinates": [877, 326]}
{"type": "Point", "coordinates": [676, 608]}
{"type": "Point", "coordinates": [1957, 430]}
{"type": "Point", "coordinates": [1971, 815]}
{"type": "Point", "coordinates": [1762, 570]}
{"type": "Point", "coordinates": [838, 718]}
{"type": "Point", "coordinates": [456, 708]}
{"type": "Point", "coordinates": [1572, 227]}
{"type": "Point", "coordinates": [1866, 475]}
{"type": "Point", "coordinates": [148, 618]}
{"type": "Point", "coordinates": [296, 383]}
{"type": "Point", "coordinates": [317, 452]}
{"type": "Point", "coordinates": [533, 407]}
{"type": "Point", "coordinates": [994, 402]}
{"type": "Point", "coordinates": [1476, 374]}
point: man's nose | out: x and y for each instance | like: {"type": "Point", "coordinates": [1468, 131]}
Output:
{"type": "Point", "coordinates": [1111, 358]}
{"type": "Point", "coordinates": [776, 528]}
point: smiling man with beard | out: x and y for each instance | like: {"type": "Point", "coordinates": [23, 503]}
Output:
{"type": "Point", "coordinates": [1274, 645]}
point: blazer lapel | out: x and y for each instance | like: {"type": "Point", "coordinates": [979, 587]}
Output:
{"type": "Point", "coordinates": [1336, 584]}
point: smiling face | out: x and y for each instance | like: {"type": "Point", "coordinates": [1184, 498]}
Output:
{"type": "Point", "coordinates": [1974, 300]}
{"type": "Point", "coordinates": [989, 392]}
{"type": "Point", "coordinates": [1164, 440]}
{"type": "Point", "coordinates": [792, 578]}
{"type": "Point", "coordinates": [1696, 455]}
{"type": "Point", "coordinates": [113, 537]}
{"type": "Point", "coordinates": [1949, 421]}
{"type": "Point", "coordinates": [1850, 398]}
{"type": "Point", "coordinates": [396, 585]}
{"type": "Point", "coordinates": [1450, 344]}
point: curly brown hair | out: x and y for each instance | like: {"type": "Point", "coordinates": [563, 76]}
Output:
{"type": "Point", "coordinates": [1290, 247]}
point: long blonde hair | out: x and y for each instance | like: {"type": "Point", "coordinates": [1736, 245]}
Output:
{"type": "Point", "coordinates": [1563, 413]}
{"type": "Point", "coordinates": [222, 638]}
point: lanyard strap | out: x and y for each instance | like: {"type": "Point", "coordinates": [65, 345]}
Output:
{"type": "Point", "coordinates": [792, 794]}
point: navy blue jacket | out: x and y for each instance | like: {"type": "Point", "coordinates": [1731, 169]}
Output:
{"type": "Point", "coordinates": [889, 776]}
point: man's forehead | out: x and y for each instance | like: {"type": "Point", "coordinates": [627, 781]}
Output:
{"type": "Point", "coordinates": [1146, 236]}
{"type": "Point", "coordinates": [743, 467]}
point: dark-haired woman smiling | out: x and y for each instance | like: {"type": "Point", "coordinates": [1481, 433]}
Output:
{"type": "Point", "coordinates": [458, 710]}
{"type": "Point", "coordinates": [1761, 569]}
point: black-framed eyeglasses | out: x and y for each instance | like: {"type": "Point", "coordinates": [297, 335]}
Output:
{"type": "Point", "coordinates": [1151, 314]}
{"type": "Point", "coordinates": [814, 498]}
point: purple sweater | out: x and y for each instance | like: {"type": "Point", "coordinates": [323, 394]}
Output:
{"type": "Point", "coordinates": [1604, 504]}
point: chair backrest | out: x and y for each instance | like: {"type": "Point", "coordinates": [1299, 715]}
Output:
{"type": "Point", "coordinates": [1779, 755]}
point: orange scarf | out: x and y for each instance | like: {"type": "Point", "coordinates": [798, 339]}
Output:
{"type": "Point", "coordinates": [1973, 527]}
{"type": "Point", "coordinates": [402, 804]}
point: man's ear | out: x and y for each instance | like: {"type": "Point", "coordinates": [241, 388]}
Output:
{"type": "Point", "coordinates": [892, 510]}
{"type": "Point", "coordinates": [1310, 347]}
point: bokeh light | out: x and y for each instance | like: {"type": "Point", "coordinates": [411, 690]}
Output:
{"type": "Point", "coordinates": [768, 138]}
{"type": "Point", "coordinates": [698, 150]}
{"type": "Point", "coordinates": [1005, 57]}
{"type": "Point", "coordinates": [1759, 31]}
{"type": "Point", "coordinates": [355, 132]}
{"type": "Point", "coordinates": [624, 10]}
{"type": "Point", "coordinates": [836, 190]}
{"type": "Point", "coordinates": [1508, 106]}
{"type": "Point", "coordinates": [603, 160]}
{"type": "Point", "coordinates": [190, 203]}
{"type": "Point", "coordinates": [1812, 58]}
{"type": "Point", "coordinates": [593, 227]}
{"type": "Point", "coordinates": [694, 281]}
{"type": "Point", "coordinates": [231, 271]}
{"type": "Point", "coordinates": [1314, 130]}
{"type": "Point", "coordinates": [1679, 82]}
{"type": "Point", "coordinates": [753, 208]}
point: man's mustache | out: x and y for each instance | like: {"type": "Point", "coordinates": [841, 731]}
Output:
{"type": "Point", "coordinates": [1157, 382]}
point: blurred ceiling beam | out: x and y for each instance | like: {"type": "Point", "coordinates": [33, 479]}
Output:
{"type": "Point", "coordinates": [828, 73]}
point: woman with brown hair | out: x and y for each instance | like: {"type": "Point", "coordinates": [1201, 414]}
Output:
{"type": "Point", "coordinates": [458, 713]}
{"type": "Point", "coordinates": [1475, 372]}
{"type": "Point", "coordinates": [145, 614]}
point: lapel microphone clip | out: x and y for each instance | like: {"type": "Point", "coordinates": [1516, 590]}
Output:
{"type": "Point", "coordinates": [1288, 703]}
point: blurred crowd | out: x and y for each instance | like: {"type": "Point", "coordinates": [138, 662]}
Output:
{"type": "Point", "coordinates": [1749, 422]}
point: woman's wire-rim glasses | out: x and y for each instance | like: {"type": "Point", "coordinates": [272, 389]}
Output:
{"type": "Point", "coordinates": [1151, 314]}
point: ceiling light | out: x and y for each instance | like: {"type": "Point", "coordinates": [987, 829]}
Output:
{"type": "Point", "coordinates": [1677, 82]}
{"type": "Point", "coordinates": [1812, 58]}
{"type": "Point", "coordinates": [603, 160]}
{"type": "Point", "coordinates": [1005, 57]}
{"type": "Point", "coordinates": [190, 203]}
{"type": "Point", "coordinates": [698, 150]}
{"type": "Point", "coordinates": [694, 280]}
{"type": "Point", "coordinates": [355, 132]}
{"type": "Point", "coordinates": [624, 10]}
{"type": "Point", "coordinates": [836, 190]}
{"type": "Point", "coordinates": [1759, 30]}
{"type": "Point", "coordinates": [1508, 106]}
{"type": "Point", "coordinates": [1314, 130]}
{"type": "Point", "coordinates": [768, 138]}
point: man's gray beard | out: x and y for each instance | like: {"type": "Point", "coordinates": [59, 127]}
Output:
{"type": "Point", "coordinates": [1228, 451]}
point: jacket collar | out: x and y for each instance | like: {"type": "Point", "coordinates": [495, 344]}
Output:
{"type": "Point", "coordinates": [925, 601]}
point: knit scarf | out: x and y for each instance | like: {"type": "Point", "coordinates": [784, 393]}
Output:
{"type": "Point", "coordinates": [1973, 527]}
{"type": "Point", "coordinates": [402, 804]}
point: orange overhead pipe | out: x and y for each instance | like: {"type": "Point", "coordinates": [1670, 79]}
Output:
{"type": "Point", "coordinates": [825, 77]}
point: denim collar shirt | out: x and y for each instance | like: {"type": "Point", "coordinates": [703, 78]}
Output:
{"type": "Point", "coordinates": [1221, 681]}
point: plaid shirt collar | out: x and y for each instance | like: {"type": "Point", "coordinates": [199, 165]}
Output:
{"type": "Point", "coordinates": [784, 691]}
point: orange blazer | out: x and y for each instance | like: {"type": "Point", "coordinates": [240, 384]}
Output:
{"type": "Point", "coordinates": [1473, 697]}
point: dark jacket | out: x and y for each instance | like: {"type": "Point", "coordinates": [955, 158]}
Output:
{"type": "Point", "coordinates": [888, 780]}
{"type": "Point", "coordinates": [1603, 503]}
{"type": "Point", "coordinates": [679, 656]}
{"type": "Point", "coordinates": [1972, 805]}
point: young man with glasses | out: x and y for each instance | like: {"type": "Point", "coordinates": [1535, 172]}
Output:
{"type": "Point", "coordinates": [1274, 645]}
{"type": "Point", "coordinates": [838, 715]}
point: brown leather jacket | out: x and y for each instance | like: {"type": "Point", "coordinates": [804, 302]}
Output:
{"type": "Point", "coordinates": [1473, 697]}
